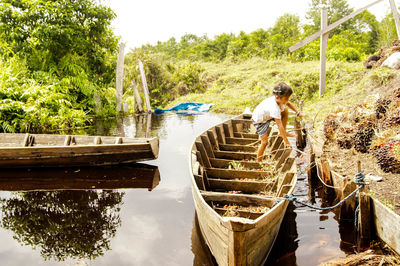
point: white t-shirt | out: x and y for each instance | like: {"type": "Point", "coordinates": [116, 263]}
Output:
{"type": "Point", "coordinates": [266, 110]}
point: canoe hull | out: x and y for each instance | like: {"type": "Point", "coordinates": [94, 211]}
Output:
{"type": "Point", "coordinates": [236, 240]}
{"type": "Point", "coordinates": [53, 154]}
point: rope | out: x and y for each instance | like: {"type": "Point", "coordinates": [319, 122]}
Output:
{"type": "Point", "coordinates": [358, 179]}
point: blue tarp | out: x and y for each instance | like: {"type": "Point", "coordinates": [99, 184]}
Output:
{"type": "Point", "coordinates": [186, 108]}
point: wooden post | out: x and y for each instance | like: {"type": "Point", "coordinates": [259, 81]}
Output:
{"type": "Point", "coordinates": [145, 88]}
{"type": "Point", "coordinates": [324, 45]}
{"type": "Point", "coordinates": [364, 218]}
{"type": "Point", "coordinates": [138, 99]}
{"type": "Point", "coordinates": [120, 75]}
{"type": "Point", "coordinates": [395, 16]}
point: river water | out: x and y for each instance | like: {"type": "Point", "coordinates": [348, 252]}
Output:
{"type": "Point", "coordinates": [146, 223]}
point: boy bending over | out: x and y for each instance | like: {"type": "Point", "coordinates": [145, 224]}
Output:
{"type": "Point", "coordinates": [270, 109]}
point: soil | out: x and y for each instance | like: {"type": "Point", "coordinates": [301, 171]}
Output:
{"type": "Point", "coordinates": [344, 162]}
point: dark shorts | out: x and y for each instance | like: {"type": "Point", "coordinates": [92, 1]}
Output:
{"type": "Point", "coordinates": [262, 128]}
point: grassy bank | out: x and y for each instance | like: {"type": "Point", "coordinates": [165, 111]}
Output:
{"type": "Point", "coordinates": [232, 86]}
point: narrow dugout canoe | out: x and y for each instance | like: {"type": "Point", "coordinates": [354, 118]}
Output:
{"type": "Point", "coordinates": [125, 176]}
{"type": "Point", "coordinates": [237, 200]}
{"type": "Point", "coordinates": [45, 150]}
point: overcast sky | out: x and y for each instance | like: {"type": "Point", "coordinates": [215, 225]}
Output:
{"type": "Point", "coordinates": [149, 21]}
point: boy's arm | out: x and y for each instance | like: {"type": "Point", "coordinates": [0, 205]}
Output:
{"type": "Point", "coordinates": [282, 131]}
{"type": "Point", "coordinates": [291, 106]}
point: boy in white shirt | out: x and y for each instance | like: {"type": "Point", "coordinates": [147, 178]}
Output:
{"type": "Point", "coordinates": [270, 109]}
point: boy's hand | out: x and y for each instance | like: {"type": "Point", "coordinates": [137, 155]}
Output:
{"type": "Point", "coordinates": [301, 115]}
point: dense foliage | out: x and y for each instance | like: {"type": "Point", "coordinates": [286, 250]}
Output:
{"type": "Point", "coordinates": [56, 56]}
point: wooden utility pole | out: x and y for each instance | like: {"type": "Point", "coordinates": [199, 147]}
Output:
{"type": "Point", "coordinates": [120, 75]}
{"type": "Point", "coordinates": [145, 88]}
{"type": "Point", "coordinates": [323, 48]}
{"type": "Point", "coordinates": [396, 17]}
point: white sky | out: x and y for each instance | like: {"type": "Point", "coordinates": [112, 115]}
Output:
{"type": "Point", "coordinates": [149, 21]}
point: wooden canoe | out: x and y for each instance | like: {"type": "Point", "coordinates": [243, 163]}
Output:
{"type": "Point", "coordinates": [45, 150]}
{"type": "Point", "coordinates": [237, 200]}
{"type": "Point", "coordinates": [83, 178]}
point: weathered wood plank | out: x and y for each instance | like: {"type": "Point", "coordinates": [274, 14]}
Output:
{"type": "Point", "coordinates": [207, 145]}
{"type": "Point", "coordinates": [228, 130]}
{"type": "Point", "coordinates": [240, 141]}
{"type": "Point", "coordinates": [203, 154]}
{"type": "Point", "coordinates": [241, 199]}
{"type": "Point", "coordinates": [244, 186]}
{"type": "Point", "coordinates": [232, 174]}
{"type": "Point", "coordinates": [213, 139]}
{"type": "Point", "coordinates": [242, 213]}
{"type": "Point", "coordinates": [245, 135]}
{"type": "Point", "coordinates": [223, 163]}
{"type": "Point", "coordinates": [220, 134]}
{"type": "Point", "coordinates": [237, 148]}
{"type": "Point", "coordinates": [235, 155]}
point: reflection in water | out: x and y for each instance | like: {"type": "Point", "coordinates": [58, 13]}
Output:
{"type": "Point", "coordinates": [136, 175]}
{"type": "Point", "coordinates": [63, 224]}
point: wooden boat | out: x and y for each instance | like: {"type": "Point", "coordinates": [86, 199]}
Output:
{"type": "Point", "coordinates": [45, 150]}
{"type": "Point", "coordinates": [239, 201]}
{"type": "Point", "coordinates": [72, 178]}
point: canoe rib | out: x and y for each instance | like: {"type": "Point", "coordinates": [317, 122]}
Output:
{"type": "Point", "coordinates": [230, 183]}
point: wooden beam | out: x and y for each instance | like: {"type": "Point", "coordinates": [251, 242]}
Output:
{"type": "Point", "coordinates": [145, 88]}
{"type": "Point", "coordinates": [395, 16]}
{"type": "Point", "coordinates": [238, 198]}
{"type": "Point", "coordinates": [364, 219]}
{"type": "Point", "coordinates": [329, 28]}
{"type": "Point", "coordinates": [120, 75]}
{"type": "Point", "coordinates": [322, 56]}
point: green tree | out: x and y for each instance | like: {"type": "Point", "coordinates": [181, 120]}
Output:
{"type": "Point", "coordinates": [70, 39]}
{"type": "Point", "coordinates": [64, 224]}
{"type": "Point", "coordinates": [337, 9]}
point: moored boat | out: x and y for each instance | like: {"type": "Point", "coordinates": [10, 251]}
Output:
{"type": "Point", "coordinates": [238, 200]}
{"type": "Point", "coordinates": [46, 150]}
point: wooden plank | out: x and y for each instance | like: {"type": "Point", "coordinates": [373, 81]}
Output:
{"type": "Point", "coordinates": [395, 17]}
{"type": "Point", "coordinates": [241, 199]}
{"type": "Point", "coordinates": [241, 141]}
{"type": "Point", "coordinates": [272, 139]}
{"type": "Point", "coordinates": [213, 139]}
{"type": "Point", "coordinates": [277, 143]}
{"type": "Point", "coordinates": [232, 174]}
{"type": "Point", "coordinates": [364, 219]}
{"type": "Point", "coordinates": [203, 153]}
{"type": "Point", "coordinates": [242, 121]}
{"type": "Point", "coordinates": [238, 148]}
{"type": "Point", "coordinates": [279, 151]}
{"type": "Point", "coordinates": [387, 224]}
{"type": "Point", "coordinates": [207, 145]}
{"type": "Point", "coordinates": [223, 163]}
{"type": "Point", "coordinates": [145, 88]}
{"type": "Point", "coordinates": [235, 185]}
{"type": "Point", "coordinates": [228, 130]}
{"type": "Point", "coordinates": [288, 164]}
{"type": "Point", "coordinates": [242, 213]}
{"type": "Point", "coordinates": [119, 76]}
{"type": "Point", "coordinates": [220, 134]}
{"type": "Point", "coordinates": [329, 28]}
{"type": "Point", "coordinates": [283, 158]}
{"type": "Point", "coordinates": [323, 47]}
{"type": "Point", "coordinates": [200, 182]}
{"type": "Point", "coordinates": [235, 155]}
{"type": "Point", "coordinates": [285, 182]}
{"type": "Point", "coordinates": [245, 135]}
{"type": "Point", "coordinates": [237, 252]}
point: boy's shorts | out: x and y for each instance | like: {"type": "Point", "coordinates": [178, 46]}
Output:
{"type": "Point", "coordinates": [262, 128]}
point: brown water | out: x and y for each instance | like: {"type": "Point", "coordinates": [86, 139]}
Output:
{"type": "Point", "coordinates": [150, 221]}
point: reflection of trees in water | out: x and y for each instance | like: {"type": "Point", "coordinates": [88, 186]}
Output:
{"type": "Point", "coordinates": [75, 224]}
